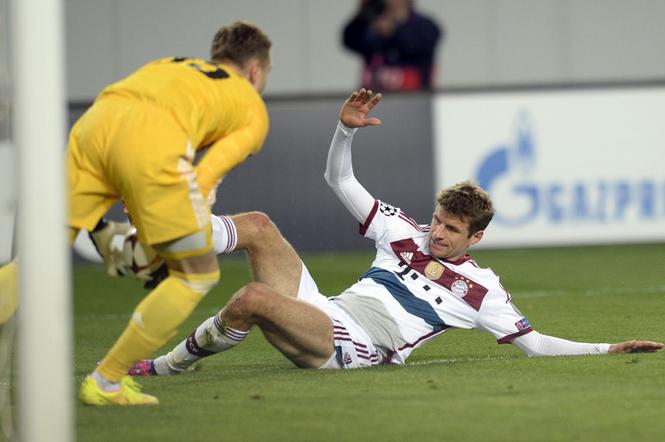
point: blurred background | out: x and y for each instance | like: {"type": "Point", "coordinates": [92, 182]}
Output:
{"type": "Point", "coordinates": [486, 43]}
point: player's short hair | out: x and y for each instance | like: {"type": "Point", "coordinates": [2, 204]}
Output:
{"type": "Point", "coordinates": [240, 41]}
{"type": "Point", "coordinates": [469, 202]}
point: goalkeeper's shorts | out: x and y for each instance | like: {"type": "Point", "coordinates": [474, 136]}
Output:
{"type": "Point", "coordinates": [125, 148]}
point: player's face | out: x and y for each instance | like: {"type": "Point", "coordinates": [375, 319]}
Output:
{"type": "Point", "coordinates": [449, 236]}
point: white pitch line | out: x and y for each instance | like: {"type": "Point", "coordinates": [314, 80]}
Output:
{"type": "Point", "coordinates": [540, 293]}
{"type": "Point", "coordinates": [593, 292]}
{"type": "Point", "coordinates": [455, 360]}
{"type": "Point", "coordinates": [625, 290]}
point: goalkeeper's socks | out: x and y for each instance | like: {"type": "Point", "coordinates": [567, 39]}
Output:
{"type": "Point", "coordinates": [212, 336]}
{"type": "Point", "coordinates": [155, 321]}
{"type": "Point", "coordinates": [104, 384]}
{"type": "Point", "coordinates": [224, 234]}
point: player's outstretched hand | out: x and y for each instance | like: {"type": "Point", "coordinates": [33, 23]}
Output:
{"type": "Point", "coordinates": [357, 107]}
{"type": "Point", "coordinates": [636, 347]}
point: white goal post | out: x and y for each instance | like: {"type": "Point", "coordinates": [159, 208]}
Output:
{"type": "Point", "coordinates": [45, 312]}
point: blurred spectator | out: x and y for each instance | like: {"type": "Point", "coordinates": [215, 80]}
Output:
{"type": "Point", "coordinates": [397, 43]}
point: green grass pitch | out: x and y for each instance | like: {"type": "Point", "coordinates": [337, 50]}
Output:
{"type": "Point", "coordinates": [460, 387]}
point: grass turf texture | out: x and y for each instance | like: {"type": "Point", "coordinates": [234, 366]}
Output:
{"type": "Point", "coordinates": [460, 387]}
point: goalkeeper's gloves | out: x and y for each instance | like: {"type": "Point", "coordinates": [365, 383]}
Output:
{"type": "Point", "coordinates": [106, 238]}
{"type": "Point", "coordinates": [118, 245]}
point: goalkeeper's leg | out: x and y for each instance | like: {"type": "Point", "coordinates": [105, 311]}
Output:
{"type": "Point", "coordinates": [193, 272]}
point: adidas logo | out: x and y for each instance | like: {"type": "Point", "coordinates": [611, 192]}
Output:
{"type": "Point", "coordinates": [406, 256]}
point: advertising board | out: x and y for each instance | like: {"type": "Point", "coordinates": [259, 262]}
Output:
{"type": "Point", "coordinates": [562, 167]}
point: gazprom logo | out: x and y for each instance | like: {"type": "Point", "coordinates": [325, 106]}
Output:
{"type": "Point", "coordinates": [510, 173]}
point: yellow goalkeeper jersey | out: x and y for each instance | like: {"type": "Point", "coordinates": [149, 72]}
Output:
{"type": "Point", "coordinates": [216, 107]}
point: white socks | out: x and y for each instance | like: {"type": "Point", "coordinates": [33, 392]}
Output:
{"type": "Point", "coordinates": [224, 234]}
{"type": "Point", "coordinates": [104, 384]}
{"type": "Point", "coordinates": [212, 336]}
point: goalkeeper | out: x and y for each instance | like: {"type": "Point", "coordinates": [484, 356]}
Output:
{"type": "Point", "coordinates": [137, 142]}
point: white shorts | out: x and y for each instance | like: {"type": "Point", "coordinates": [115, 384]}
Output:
{"type": "Point", "coordinates": [353, 348]}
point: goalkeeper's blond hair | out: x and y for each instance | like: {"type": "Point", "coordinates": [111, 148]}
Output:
{"type": "Point", "coordinates": [239, 42]}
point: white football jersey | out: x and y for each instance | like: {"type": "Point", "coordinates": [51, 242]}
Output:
{"type": "Point", "coordinates": [409, 297]}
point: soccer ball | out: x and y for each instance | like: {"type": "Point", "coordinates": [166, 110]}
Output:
{"type": "Point", "coordinates": [141, 259]}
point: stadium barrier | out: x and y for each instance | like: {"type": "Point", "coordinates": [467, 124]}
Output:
{"type": "Point", "coordinates": [285, 180]}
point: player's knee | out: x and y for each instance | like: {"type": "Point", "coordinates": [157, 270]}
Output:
{"type": "Point", "coordinates": [260, 224]}
{"type": "Point", "coordinates": [250, 300]}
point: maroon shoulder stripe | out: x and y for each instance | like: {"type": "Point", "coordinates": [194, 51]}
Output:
{"type": "Point", "coordinates": [404, 217]}
{"type": "Point", "coordinates": [370, 217]}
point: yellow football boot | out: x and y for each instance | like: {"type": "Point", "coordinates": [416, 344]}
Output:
{"type": "Point", "coordinates": [129, 394]}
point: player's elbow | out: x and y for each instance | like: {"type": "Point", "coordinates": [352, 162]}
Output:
{"type": "Point", "coordinates": [335, 181]}
{"type": "Point", "coordinates": [328, 177]}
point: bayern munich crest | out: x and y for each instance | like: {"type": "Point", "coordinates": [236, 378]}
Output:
{"type": "Point", "coordinates": [459, 288]}
{"type": "Point", "coordinates": [433, 270]}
